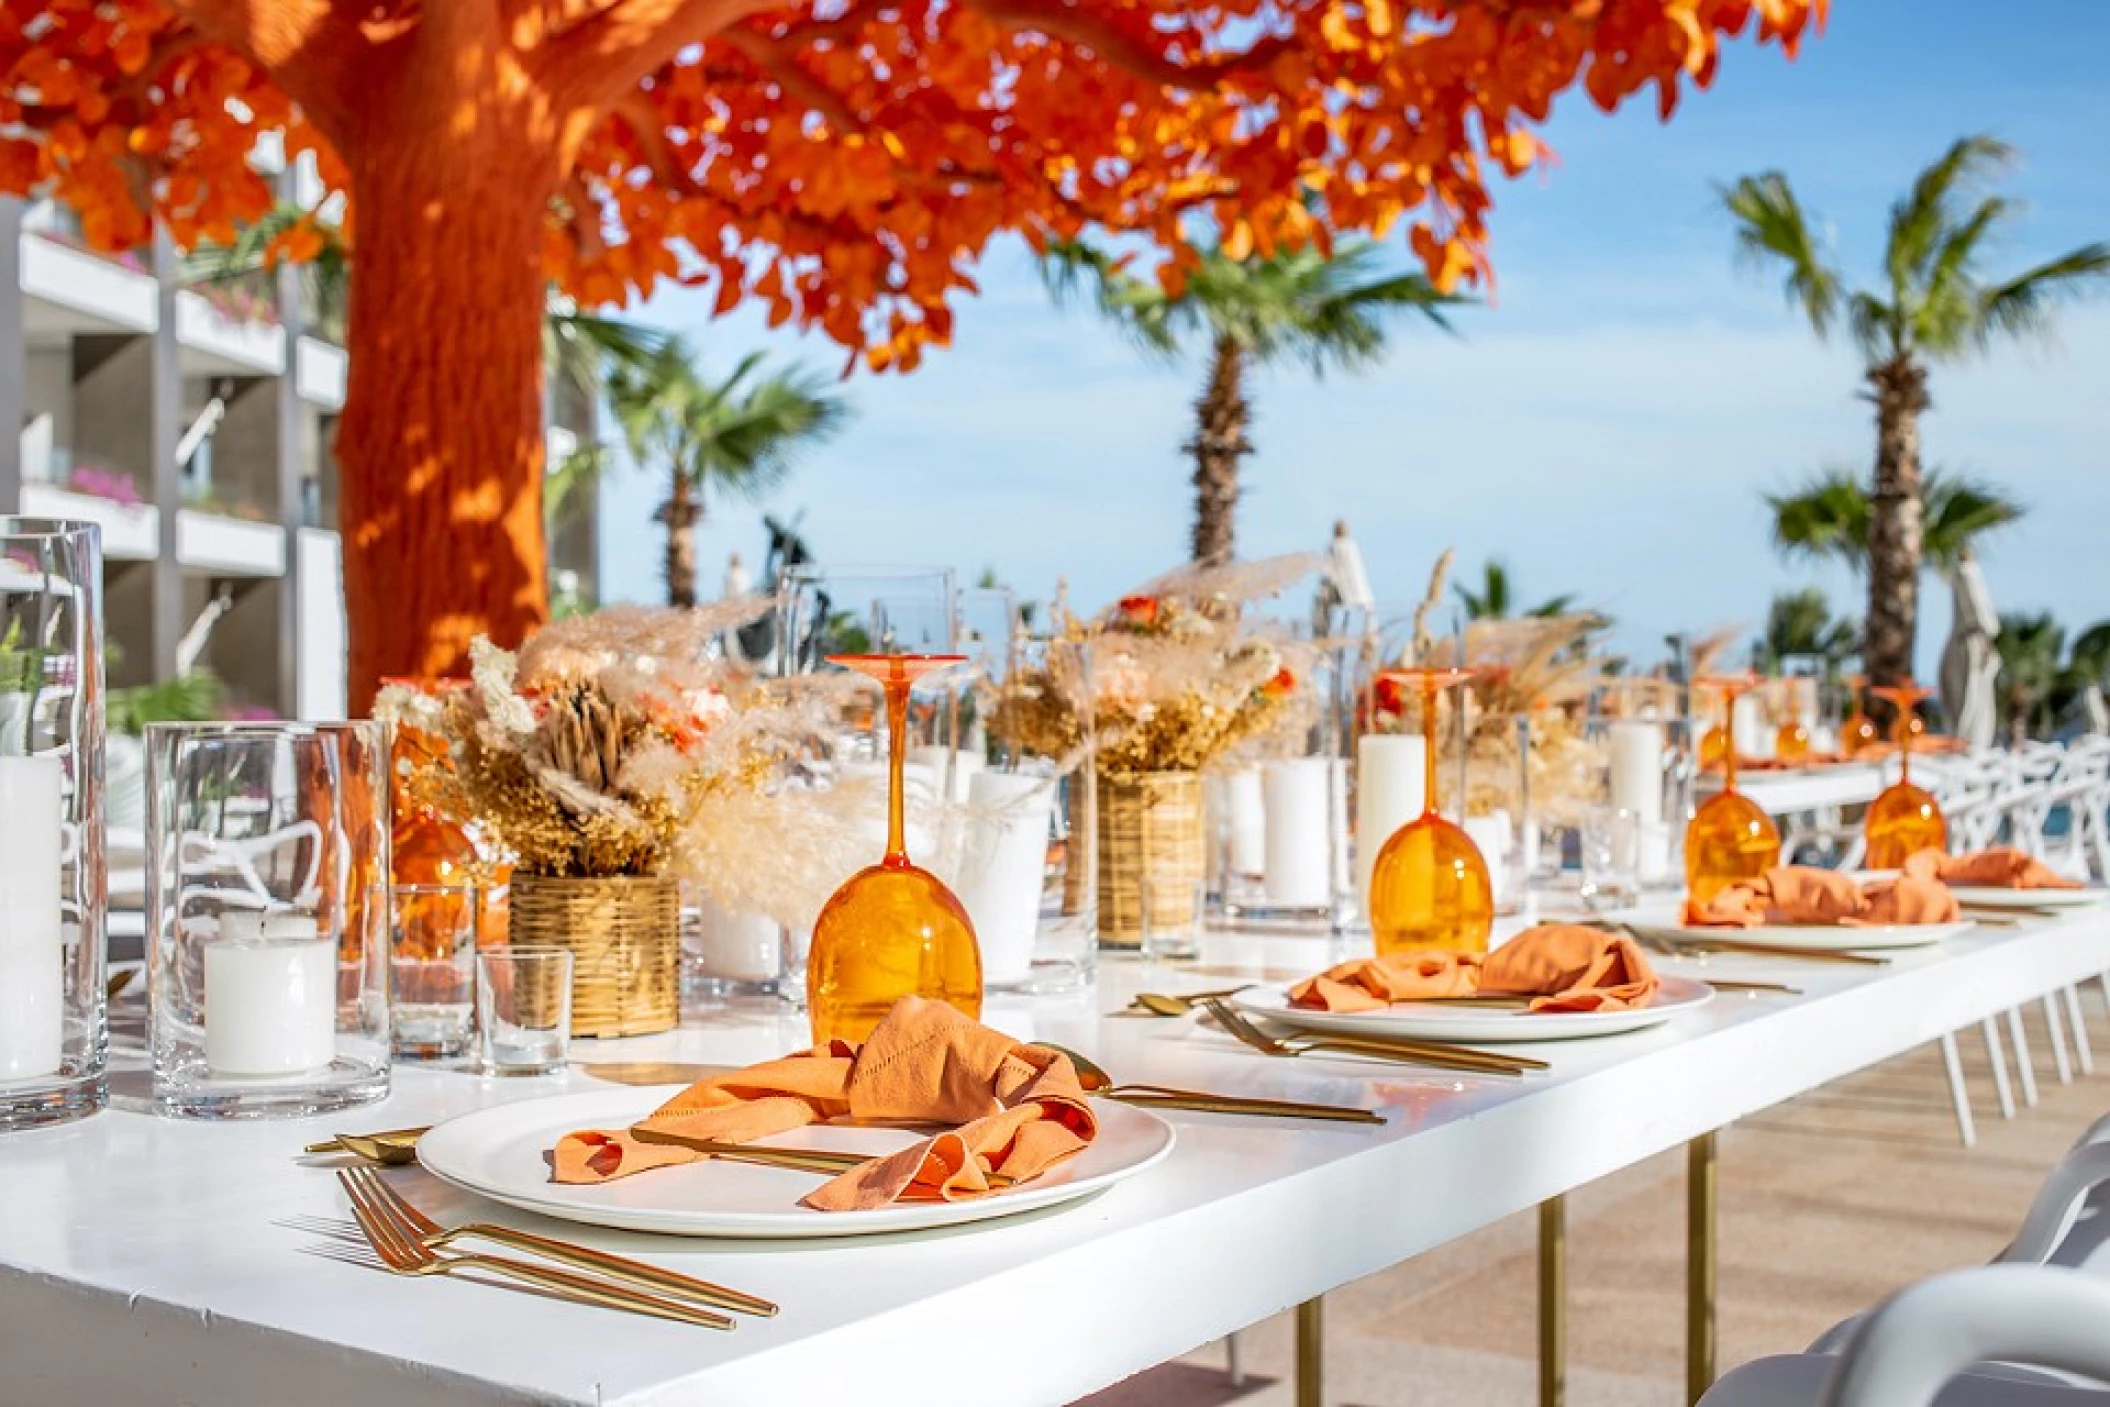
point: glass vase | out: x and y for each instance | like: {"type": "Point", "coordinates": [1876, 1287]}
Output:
{"type": "Point", "coordinates": [53, 1011]}
{"type": "Point", "coordinates": [268, 954]}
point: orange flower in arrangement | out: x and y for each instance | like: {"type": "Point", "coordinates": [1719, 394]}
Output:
{"type": "Point", "coordinates": [1140, 611]}
{"type": "Point", "coordinates": [1282, 685]}
{"type": "Point", "coordinates": [1390, 695]}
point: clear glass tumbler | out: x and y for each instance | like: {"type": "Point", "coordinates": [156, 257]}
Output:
{"type": "Point", "coordinates": [53, 1013]}
{"type": "Point", "coordinates": [433, 933]}
{"type": "Point", "coordinates": [268, 951]}
{"type": "Point", "coordinates": [523, 1010]}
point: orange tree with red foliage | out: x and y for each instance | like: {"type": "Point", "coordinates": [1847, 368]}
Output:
{"type": "Point", "coordinates": [842, 161]}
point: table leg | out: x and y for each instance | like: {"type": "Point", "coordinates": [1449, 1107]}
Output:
{"type": "Point", "coordinates": [1701, 1191]}
{"type": "Point", "coordinates": [1553, 1298]}
{"type": "Point", "coordinates": [1311, 1352]}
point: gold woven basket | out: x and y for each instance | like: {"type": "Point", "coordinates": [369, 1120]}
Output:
{"type": "Point", "coordinates": [624, 936]}
{"type": "Point", "coordinates": [1150, 825]}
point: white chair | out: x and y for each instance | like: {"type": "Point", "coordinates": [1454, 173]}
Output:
{"type": "Point", "coordinates": [1970, 1338]}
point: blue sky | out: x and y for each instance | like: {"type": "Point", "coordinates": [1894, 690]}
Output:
{"type": "Point", "coordinates": [1606, 427]}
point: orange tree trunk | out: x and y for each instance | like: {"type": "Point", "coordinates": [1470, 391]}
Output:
{"type": "Point", "coordinates": [440, 449]}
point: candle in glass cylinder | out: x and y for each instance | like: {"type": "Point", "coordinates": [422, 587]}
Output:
{"type": "Point", "coordinates": [32, 952]}
{"type": "Point", "coordinates": [270, 996]}
{"type": "Point", "coordinates": [1388, 777]}
{"type": "Point", "coordinates": [1245, 821]}
{"type": "Point", "coordinates": [1636, 747]}
{"type": "Point", "coordinates": [1296, 868]}
{"type": "Point", "coordinates": [1006, 868]}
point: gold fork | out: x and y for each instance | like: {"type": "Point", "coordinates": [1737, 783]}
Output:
{"type": "Point", "coordinates": [433, 1236]}
{"type": "Point", "coordinates": [1479, 1062]}
{"type": "Point", "coordinates": [403, 1254]}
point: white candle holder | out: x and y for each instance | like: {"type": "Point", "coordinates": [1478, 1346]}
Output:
{"type": "Point", "coordinates": [267, 844]}
{"type": "Point", "coordinates": [1282, 823]}
{"type": "Point", "coordinates": [53, 1012]}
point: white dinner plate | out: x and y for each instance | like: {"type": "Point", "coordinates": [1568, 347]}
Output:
{"type": "Point", "coordinates": [501, 1154]}
{"type": "Point", "coordinates": [1812, 937]}
{"type": "Point", "coordinates": [2001, 897]}
{"type": "Point", "coordinates": [1457, 1021]}
{"type": "Point", "coordinates": [1976, 897]}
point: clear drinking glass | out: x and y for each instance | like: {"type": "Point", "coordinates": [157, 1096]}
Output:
{"type": "Point", "coordinates": [433, 933]}
{"type": "Point", "coordinates": [268, 952]}
{"type": "Point", "coordinates": [1611, 838]}
{"type": "Point", "coordinates": [53, 1013]}
{"type": "Point", "coordinates": [523, 1010]}
{"type": "Point", "coordinates": [1175, 914]}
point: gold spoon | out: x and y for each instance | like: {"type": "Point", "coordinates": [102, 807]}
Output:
{"type": "Point", "coordinates": [1159, 1004]}
{"type": "Point", "coordinates": [389, 1153]}
{"type": "Point", "coordinates": [117, 982]}
{"type": "Point", "coordinates": [397, 1137]}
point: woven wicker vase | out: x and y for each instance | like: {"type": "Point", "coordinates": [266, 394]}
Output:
{"type": "Point", "coordinates": [624, 935]}
{"type": "Point", "coordinates": [1150, 824]}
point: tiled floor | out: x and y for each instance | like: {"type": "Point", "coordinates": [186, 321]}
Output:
{"type": "Point", "coordinates": [1828, 1203]}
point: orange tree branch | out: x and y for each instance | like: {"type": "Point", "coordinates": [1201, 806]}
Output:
{"type": "Point", "coordinates": [797, 83]}
{"type": "Point", "coordinates": [635, 111]}
{"type": "Point", "coordinates": [1067, 20]}
{"type": "Point", "coordinates": [590, 62]}
{"type": "Point", "coordinates": [317, 51]}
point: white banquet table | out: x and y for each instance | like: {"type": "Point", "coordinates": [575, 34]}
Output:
{"type": "Point", "coordinates": [141, 1260]}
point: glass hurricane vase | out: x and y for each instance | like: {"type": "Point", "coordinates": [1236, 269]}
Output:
{"type": "Point", "coordinates": [1430, 888]}
{"type": "Point", "coordinates": [893, 929]}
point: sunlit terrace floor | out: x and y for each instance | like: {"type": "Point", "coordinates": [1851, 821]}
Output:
{"type": "Point", "coordinates": [1829, 1203]}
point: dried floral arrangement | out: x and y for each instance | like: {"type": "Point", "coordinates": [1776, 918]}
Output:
{"type": "Point", "coordinates": [1182, 675]}
{"type": "Point", "coordinates": [592, 748]}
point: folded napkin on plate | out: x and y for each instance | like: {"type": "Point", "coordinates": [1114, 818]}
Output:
{"type": "Point", "coordinates": [1807, 895]}
{"type": "Point", "coordinates": [1564, 967]}
{"type": "Point", "coordinates": [2002, 867]}
{"type": "Point", "coordinates": [1018, 1109]}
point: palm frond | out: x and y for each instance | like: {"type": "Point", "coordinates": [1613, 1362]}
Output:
{"type": "Point", "coordinates": [1920, 222]}
{"type": "Point", "coordinates": [2022, 306]}
{"type": "Point", "coordinates": [577, 473]}
{"type": "Point", "coordinates": [1770, 228]}
{"type": "Point", "coordinates": [1073, 269]}
{"type": "Point", "coordinates": [1826, 518]}
{"type": "Point", "coordinates": [1948, 313]}
{"type": "Point", "coordinates": [1956, 513]}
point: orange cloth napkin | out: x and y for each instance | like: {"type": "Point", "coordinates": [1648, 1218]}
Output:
{"type": "Point", "coordinates": [1805, 894]}
{"type": "Point", "coordinates": [1565, 967]}
{"type": "Point", "coordinates": [2002, 867]}
{"type": "Point", "coordinates": [1019, 1110]}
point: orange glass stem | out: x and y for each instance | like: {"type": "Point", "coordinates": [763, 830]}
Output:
{"type": "Point", "coordinates": [896, 685]}
{"type": "Point", "coordinates": [1729, 732]}
{"type": "Point", "coordinates": [1428, 745]}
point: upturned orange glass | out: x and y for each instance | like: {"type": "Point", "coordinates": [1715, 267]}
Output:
{"type": "Point", "coordinates": [1791, 740]}
{"type": "Point", "coordinates": [1729, 838]}
{"type": "Point", "coordinates": [1429, 887]}
{"type": "Point", "coordinates": [1858, 732]}
{"type": "Point", "coordinates": [1904, 820]}
{"type": "Point", "coordinates": [893, 929]}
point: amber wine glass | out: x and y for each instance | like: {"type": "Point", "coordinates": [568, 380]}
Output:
{"type": "Point", "coordinates": [1791, 740]}
{"type": "Point", "coordinates": [1729, 838]}
{"type": "Point", "coordinates": [893, 929]}
{"type": "Point", "coordinates": [1904, 820]}
{"type": "Point", "coordinates": [1429, 889]}
{"type": "Point", "coordinates": [1858, 733]}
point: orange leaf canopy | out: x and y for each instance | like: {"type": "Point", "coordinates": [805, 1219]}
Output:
{"type": "Point", "coordinates": [845, 163]}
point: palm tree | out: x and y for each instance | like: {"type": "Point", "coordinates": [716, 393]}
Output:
{"type": "Point", "coordinates": [1496, 600]}
{"type": "Point", "coordinates": [1828, 517]}
{"type": "Point", "coordinates": [1800, 623]}
{"type": "Point", "coordinates": [2034, 689]}
{"type": "Point", "coordinates": [1253, 312]}
{"type": "Point", "coordinates": [741, 435]}
{"type": "Point", "coordinates": [1932, 306]}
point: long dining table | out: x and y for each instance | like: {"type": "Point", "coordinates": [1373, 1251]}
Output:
{"type": "Point", "coordinates": [147, 1260]}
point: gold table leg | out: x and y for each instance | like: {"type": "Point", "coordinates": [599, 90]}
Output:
{"type": "Point", "coordinates": [1701, 1192]}
{"type": "Point", "coordinates": [1311, 1352]}
{"type": "Point", "coordinates": [1553, 1296]}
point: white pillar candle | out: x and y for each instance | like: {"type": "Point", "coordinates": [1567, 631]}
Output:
{"type": "Point", "coordinates": [1652, 856]}
{"type": "Point", "coordinates": [270, 996]}
{"type": "Point", "coordinates": [1245, 818]}
{"type": "Point", "coordinates": [737, 947]}
{"type": "Point", "coordinates": [1636, 746]}
{"type": "Point", "coordinates": [1005, 868]}
{"type": "Point", "coordinates": [935, 761]}
{"type": "Point", "coordinates": [1388, 782]}
{"type": "Point", "coordinates": [1297, 852]}
{"type": "Point", "coordinates": [32, 951]}
{"type": "Point", "coordinates": [1492, 834]}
